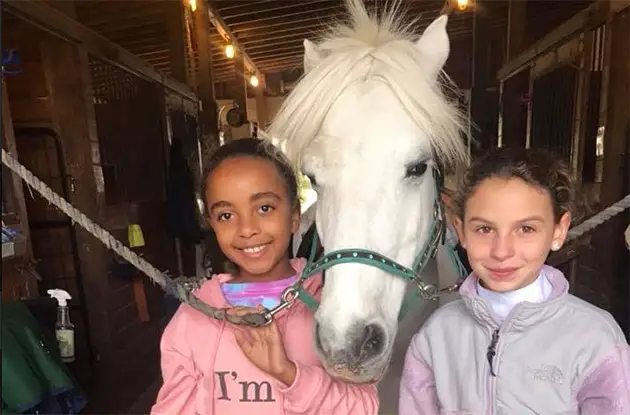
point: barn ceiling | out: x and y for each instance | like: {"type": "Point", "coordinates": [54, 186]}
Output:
{"type": "Point", "coordinates": [271, 31]}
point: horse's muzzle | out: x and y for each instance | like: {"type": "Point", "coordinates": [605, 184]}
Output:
{"type": "Point", "coordinates": [359, 357]}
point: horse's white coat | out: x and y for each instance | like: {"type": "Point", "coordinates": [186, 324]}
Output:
{"type": "Point", "coordinates": [370, 104]}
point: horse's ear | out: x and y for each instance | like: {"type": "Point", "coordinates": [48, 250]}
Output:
{"type": "Point", "coordinates": [311, 55]}
{"type": "Point", "coordinates": [434, 45]}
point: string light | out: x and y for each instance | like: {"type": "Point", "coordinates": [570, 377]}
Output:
{"type": "Point", "coordinates": [254, 81]}
{"type": "Point", "coordinates": [229, 51]}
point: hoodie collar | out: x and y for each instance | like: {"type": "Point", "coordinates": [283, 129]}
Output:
{"type": "Point", "coordinates": [211, 291]}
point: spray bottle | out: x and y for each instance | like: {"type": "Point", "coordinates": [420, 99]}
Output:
{"type": "Point", "coordinates": [64, 329]}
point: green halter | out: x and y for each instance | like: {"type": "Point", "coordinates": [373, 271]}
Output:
{"type": "Point", "coordinates": [363, 256]}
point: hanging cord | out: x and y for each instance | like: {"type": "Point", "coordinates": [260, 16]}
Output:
{"type": "Point", "coordinates": [161, 278]}
{"type": "Point", "coordinates": [596, 220]}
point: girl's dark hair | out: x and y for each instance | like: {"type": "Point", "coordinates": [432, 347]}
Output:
{"type": "Point", "coordinates": [256, 148]}
{"type": "Point", "coordinates": [243, 147]}
{"type": "Point", "coordinates": [536, 167]}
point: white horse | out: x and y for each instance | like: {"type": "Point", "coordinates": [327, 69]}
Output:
{"type": "Point", "coordinates": [369, 123]}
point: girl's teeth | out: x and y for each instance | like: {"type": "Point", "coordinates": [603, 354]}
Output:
{"type": "Point", "coordinates": [254, 250]}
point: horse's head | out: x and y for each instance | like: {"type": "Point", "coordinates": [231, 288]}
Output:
{"type": "Point", "coordinates": [369, 124]}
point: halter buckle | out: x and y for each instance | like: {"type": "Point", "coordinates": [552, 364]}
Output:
{"type": "Point", "coordinates": [289, 295]}
{"type": "Point", "coordinates": [431, 292]}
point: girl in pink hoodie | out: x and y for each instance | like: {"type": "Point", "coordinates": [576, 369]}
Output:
{"type": "Point", "coordinates": [211, 367]}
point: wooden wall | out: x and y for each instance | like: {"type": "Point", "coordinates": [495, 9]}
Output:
{"type": "Point", "coordinates": [121, 354]}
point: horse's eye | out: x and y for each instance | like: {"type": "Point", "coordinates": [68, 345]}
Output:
{"type": "Point", "coordinates": [416, 170]}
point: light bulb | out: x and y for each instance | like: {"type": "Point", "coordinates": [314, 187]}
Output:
{"type": "Point", "coordinates": [193, 4]}
{"type": "Point", "coordinates": [229, 51]}
{"type": "Point", "coordinates": [254, 81]}
{"type": "Point", "coordinates": [462, 4]}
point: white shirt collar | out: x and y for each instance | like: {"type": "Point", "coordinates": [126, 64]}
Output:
{"type": "Point", "coordinates": [502, 303]}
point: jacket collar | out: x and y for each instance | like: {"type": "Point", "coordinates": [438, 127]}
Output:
{"type": "Point", "coordinates": [523, 315]}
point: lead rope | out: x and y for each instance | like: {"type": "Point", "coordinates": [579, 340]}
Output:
{"type": "Point", "coordinates": [162, 279]}
{"type": "Point", "coordinates": [596, 220]}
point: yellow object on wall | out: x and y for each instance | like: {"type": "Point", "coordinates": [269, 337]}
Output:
{"type": "Point", "coordinates": [136, 238]}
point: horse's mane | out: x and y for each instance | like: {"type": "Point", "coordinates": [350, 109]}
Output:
{"type": "Point", "coordinates": [370, 47]}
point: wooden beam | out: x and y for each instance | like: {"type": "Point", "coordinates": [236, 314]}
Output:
{"type": "Point", "coordinates": [273, 16]}
{"type": "Point", "coordinates": [233, 5]}
{"type": "Point", "coordinates": [124, 28]}
{"type": "Point", "coordinates": [298, 51]}
{"type": "Point", "coordinates": [318, 17]}
{"type": "Point", "coordinates": [515, 35]}
{"type": "Point", "coordinates": [240, 83]}
{"type": "Point", "coordinates": [256, 9]}
{"type": "Point", "coordinates": [228, 36]}
{"type": "Point", "coordinates": [146, 31]}
{"type": "Point", "coordinates": [555, 37]}
{"type": "Point", "coordinates": [287, 34]}
{"type": "Point", "coordinates": [287, 65]}
{"type": "Point", "coordinates": [47, 18]}
{"type": "Point", "coordinates": [100, 8]}
{"type": "Point", "coordinates": [291, 18]}
{"type": "Point", "coordinates": [267, 52]}
{"type": "Point", "coordinates": [16, 186]}
{"type": "Point", "coordinates": [176, 28]}
{"type": "Point", "coordinates": [204, 76]}
{"type": "Point", "coordinates": [117, 18]}
{"type": "Point", "coordinates": [278, 44]}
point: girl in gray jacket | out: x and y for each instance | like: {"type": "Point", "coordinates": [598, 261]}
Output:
{"type": "Point", "coordinates": [516, 342]}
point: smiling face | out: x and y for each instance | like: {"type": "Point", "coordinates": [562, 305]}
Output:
{"type": "Point", "coordinates": [250, 210]}
{"type": "Point", "coordinates": [508, 230]}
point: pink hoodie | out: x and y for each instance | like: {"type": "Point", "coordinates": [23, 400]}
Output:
{"type": "Point", "coordinates": [206, 373]}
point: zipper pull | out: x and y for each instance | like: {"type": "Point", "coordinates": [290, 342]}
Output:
{"type": "Point", "coordinates": [492, 351]}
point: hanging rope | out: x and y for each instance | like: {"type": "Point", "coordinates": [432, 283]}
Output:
{"type": "Point", "coordinates": [163, 280]}
{"type": "Point", "coordinates": [598, 219]}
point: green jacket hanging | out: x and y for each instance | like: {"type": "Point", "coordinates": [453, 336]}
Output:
{"type": "Point", "coordinates": [33, 375]}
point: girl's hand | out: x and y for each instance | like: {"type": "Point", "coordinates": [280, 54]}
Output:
{"type": "Point", "coordinates": [264, 348]}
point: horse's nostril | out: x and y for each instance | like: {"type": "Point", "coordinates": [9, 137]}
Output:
{"type": "Point", "coordinates": [373, 341]}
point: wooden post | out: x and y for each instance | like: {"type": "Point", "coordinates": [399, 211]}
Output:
{"type": "Point", "coordinates": [261, 104]}
{"type": "Point", "coordinates": [205, 84]}
{"type": "Point", "coordinates": [67, 81]}
{"type": "Point", "coordinates": [239, 92]}
{"type": "Point", "coordinates": [515, 28]}
{"type": "Point", "coordinates": [14, 283]}
{"type": "Point", "coordinates": [618, 108]}
{"type": "Point", "coordinates": [484, 96]}
{"type": "Point", "coordinates": [616, 161]}
{"type": "Point", "coordinates": [241, 78]}
{"type": "Point", "coordinates": [177, 44]}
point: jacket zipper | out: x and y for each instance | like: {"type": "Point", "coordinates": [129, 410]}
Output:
{"type": "Point", "coordinates": [490, 356]}
{"type": "Point", "coordinates": [492, 351]}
